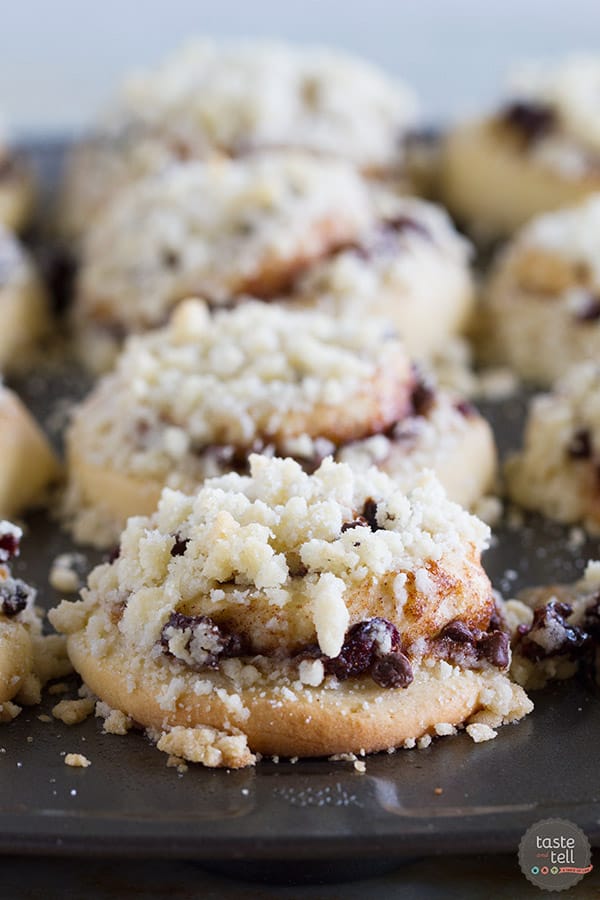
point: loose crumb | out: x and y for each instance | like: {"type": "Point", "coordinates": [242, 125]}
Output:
{"type": "Point", "coordinates": [44, 718]}
{"type": "Point", "coordinates": [479, 732]}
{"type": "Point", "coordinates": [115, 721]}
{"type": "Point", "coordinates": [65, 574]}
{"type": "Point", "coordinates": [206, 745]}
{"type": "Point", "coordinates": [360, 766]}
{"type": "Point", "coordinates": [438, 791]}
{"type": "Point", "coordinates": [9, 711]}
{"type": "Point", "coordinates": [176, 762]}
{"type": "Point", "coordinates": [77, 760]}
{"type": "Point", "coordinates": [60, 688]}
{"type": "Point", "coordinates": [72, 712]}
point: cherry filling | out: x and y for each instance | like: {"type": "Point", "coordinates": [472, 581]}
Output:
{"type": "Point", "coordinates": [198, 640]}
{"type": "Point", "coordinates": [530, 120]}
{"type": "Point", "coordinates": [372, 647]}
{"type": "Point", "coordinates": [9, 545]}
{"type": "Point", "coordinates": [550, 634]}
{"type": "Point", "coordinates": [14, 597]}
{"type": "Point", "coordinates": [471, 647]}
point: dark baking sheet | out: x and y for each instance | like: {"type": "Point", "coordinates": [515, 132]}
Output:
{"type": "Point", "coordinates": [315, 811]}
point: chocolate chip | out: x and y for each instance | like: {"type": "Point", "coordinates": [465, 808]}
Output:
{"type": "Point", "coordinates": [392, 671]}
{"type": "Point", "coordinates": [369, 513]}
{"type": "Point", "coordinates": [180, 546]}
{"type": "Point", "coordinates": [206, 642]}
{"type": "Point", "coordinates": [422, 399]}
{"type": "Point", "coordinates": [457, 631]}
{"type": "Point", "coordinates": [590, 312]}
{"type": "Point", "coordinates": [532, 120]}
{"type": "Point", "coordinates": [550, 633]}
{"type": "Point", "coordinates": [359, 522]}
{"type": "Point", "coordinates": [14, 596]}
{"type": "Point", "coordinates": [495, 647]}
{"type": "Point", "coordinates": [372, 647]}
{"type": "Point", "coordinates": [470, 646]}
{"type": "Point", "coordinates": [580, 446]}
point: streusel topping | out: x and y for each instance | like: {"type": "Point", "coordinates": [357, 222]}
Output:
{"type": "Point", "coordinates": [217, 229]}
{"type": "Point", "coordinates": [393, 257]}
{"type": "Point", "coordinates": [283, 540]}
{"type": "Point", "coordinates": [240, 95]}
{"type": "Point", "coordinates": [257, 377]}
{"type": "Point", "coordinates": [572, 237]}
{"type": "Point", "coordinates": [570, 90]}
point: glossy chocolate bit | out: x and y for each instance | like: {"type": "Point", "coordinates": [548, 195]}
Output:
{"type": "Point", "coordinates": [580, 446]}
{"type": "Point", "coordinates": [422, 398]}
{"type": "Point", "coordinates": [531, 120]}
{"type": "Point", "coordinates": [471, 646]}
{"type": "Point", "coordinates": [367, 519]}
{"type": "Point", "coordinates": [392, 671]}
{"type": "Point", "coordinates": [590, 312]}
{"type": "Point", "coordinates": [369, 513]}
{"type": "Point", "coordinates": [14, 596]}
{"type": "Point", "coordinates": [200, 638]}
{"type": "Point", "coordinates": [550, 633]}
{"type": "Point", "coordinates": [359, 522]}
{"type": "Point", "coordinates": [180, 546]}
{"type": "Point", "coordinates": [372, 647]}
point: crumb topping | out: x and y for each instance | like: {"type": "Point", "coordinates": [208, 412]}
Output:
{"type": "Point", "coordinates": [391, 258]}
{"type": "Point", "coordinates": [239, 95]}
{"type": "Point", "coordinates": [218, 229]}
{"type": "Point", "coordinates": [271, 550]}
{"type": "Point", "coordinates": [77, 760]}
{"type": "Point", "coordinates": [556, 471]}
{"type": "Point", "coordinates": [186, 399]}
{"type": "Point", "coordinates": [569, 90]}
{"type": "Point", "coordinates": [558, 253]}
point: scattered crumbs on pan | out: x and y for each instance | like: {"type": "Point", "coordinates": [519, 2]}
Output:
{"type": "Point", "coordinates": [72, 712]}
{"type": "Point", "coordinates": [438, 791]}
{"type": "Point", "coordinates": [73, 792]}
{"type": "Point", "coordinates": [478, 732]}
{"type": "Point", "coordinates": [245, 792]}
{"type": "Point", "coordinates": [424, 742]}
{"type": "Point", "coordinates": [9, 711]}
{"type": "Point", "coordinates": [61, 687]}
{"type": "Point", "coordinates": [77, 760]}
{"type": "Point", "coordinates": [30, 739]}
{"type": "Point", "coordinates": [44, 718]}
{"type": "Point", "coordinates": [176, 762]}
{"type": "Point", "coordinates": [360, 766]}
{"type": "Point", "coordinates": [67, 572]}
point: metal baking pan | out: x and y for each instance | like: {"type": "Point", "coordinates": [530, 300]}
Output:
{"type": "Point", "coordinates": [315, 815]}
